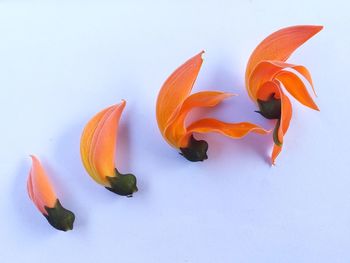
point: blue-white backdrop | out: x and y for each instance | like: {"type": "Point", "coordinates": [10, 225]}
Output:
{"type": "Point", "coordinates": [63, 61]}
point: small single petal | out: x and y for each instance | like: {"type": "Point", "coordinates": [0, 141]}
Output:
{"type": "Point", "coordinates": [286, 115]}
{"type": "Point", "coordinates": [42, 194]}
{"type": "Point", "coordinates": [296, 88]}
{"type": "Point", "coordinates": [232, 130]}
{"type": "Point", "coordinates": [98, 149]}
{"type": "Point", "coordinates": [40, 189]}
{"type": "Point", "coordinates": [86, 143]}
{"type": "Point", "coordinates": [176, 89]}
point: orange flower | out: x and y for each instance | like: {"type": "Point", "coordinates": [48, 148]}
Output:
{"type": "Point", "coordinates": [42, 194]}
{"type": "Point", "coordinates": [267, 70]}
{"type": "Point", "coordinates": [175, 102]}
{"type": "Point", "coordinates": [97, 148]}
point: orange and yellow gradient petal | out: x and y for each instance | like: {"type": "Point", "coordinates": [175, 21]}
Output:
{"type": "Point", "coordinates": [98, 151]}
{"type": "Point", "coordinates": [42, 194]}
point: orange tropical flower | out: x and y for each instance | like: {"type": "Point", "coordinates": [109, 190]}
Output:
{"type": "Point", "coordinates": [42, 194]}
{"type": "Point", "coordinates": [98, 147]}
{"type": "Point", "coordinates": [267, 71]}
{"type": "Point", "coordinates": [175, 102]}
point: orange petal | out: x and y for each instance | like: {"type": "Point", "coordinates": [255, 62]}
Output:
{"type": "Point", "coordinates": [267, 70]}
{"type": "Point", "coordinates": [275, 152]}
{"type": "Point", "coordinates": [175, 128]}
{"type": "Point", "coordinates": [296, 88]}
{"type": "Point", "coordinates": [267, 89]}
{"type": "Point", "coordinates": [176, 88]}
{"type": "Point", "coordinates": [279, 46]}
{"type": "Point", "coordinates": [98, 143]}
{"type": "Point", "coordinates": [232, 130]}
{"type": "Point", "coordinates": [39, 187]}
{"type": "Point", "coordinates": [299, 68]}
{"type": "Point", "coordinates": [86, 144]}
{"type": "Point", "coordinates": [286, 115]}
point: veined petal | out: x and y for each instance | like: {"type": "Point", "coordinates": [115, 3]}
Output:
{"type": "Point", "coordinates": [98, 143]}
{"type": "Point", "coordinates": [267, 70]}
{"type": "Point", "coordinates": [279, 46]}
{"type": "Point", "coordinates": [39, 187]}
{"type": "Point", "coordinates": [176, 88]}
{"type": "Point", "coordinates": [175, 128]}
{"type": "Point", "coordinates": [299, 68]}
{"type": "Point", "coordinates": [86, 144]}
{"type": "Point", "coordinates": [296, 88]}
{"type": "Point", "coordinates": [232, 130]}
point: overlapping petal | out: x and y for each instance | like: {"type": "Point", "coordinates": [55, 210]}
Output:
{"type": "Point", "coordinates": [267, 69]}
{"type": "Point", "coordinates": [175, 102]}
{"type": "Point", "coordinates": [280, 45]}
{"type": "Point", "coordinates": [175, 129]}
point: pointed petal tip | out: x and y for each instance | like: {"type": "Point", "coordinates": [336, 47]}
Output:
{"type": "Point", "coordinates": [200, 54]}
{"type": "Point", "coordinates": [319, 27]}
{"type": "Point", "coordinates": [33, 158]}
{"type": "Point", "coordinates": [229, 94]}
{"type": "Point", "coordinates": [121, 103]}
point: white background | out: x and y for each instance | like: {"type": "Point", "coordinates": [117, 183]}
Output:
{"type": "Point", "coordinates": [61, 62]}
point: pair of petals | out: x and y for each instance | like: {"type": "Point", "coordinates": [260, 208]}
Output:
{"type": "Point", "coordinates": [268, 70]}
{"type": "Point", "coordinates": [98, 143]}
{"type": "Point", "coordinates": [175, 102]}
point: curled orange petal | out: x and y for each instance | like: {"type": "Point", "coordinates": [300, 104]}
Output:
{"type": "Point", "coordinates": [175, 128]}
{"type": "Point", "coordinates": [266, 70]}
{"type": "Point", "coordinates": [280, 45]}
{"type": "Point", "coordinates": [176, 89]}
{"type": "Point", "coordinates": [174, 104]}
{"type": "Point", "coordinates": [296, 88]}
{"type": "Point", "coordinates": [42, 194]}
{"type": "Point", "coordinates": [232, 130]}
{"type": "Point", "coordinates": [98, 148]}
{"type": "Point", "coordinates": [286, 115]}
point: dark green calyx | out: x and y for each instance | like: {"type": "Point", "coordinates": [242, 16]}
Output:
{"type": "Point", "coordinates": [59, 217]}
{"type": "Point", "coordinates": [122, 184]}
{"type": "Point", "coordinates": [275, 133]}
{"type": "Point", "coordinates": [271, 108]}
{"type": "Point", "coordinates": [195, 151]}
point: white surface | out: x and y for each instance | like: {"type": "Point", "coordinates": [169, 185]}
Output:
{"type": "Point", "coordinates": [60, 63]}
